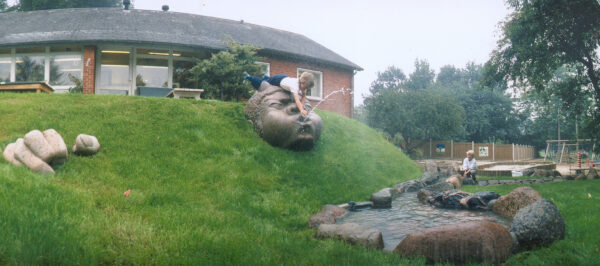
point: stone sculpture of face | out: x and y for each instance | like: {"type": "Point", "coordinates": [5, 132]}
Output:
{"type": "Point", "coordinates": [278, 121]}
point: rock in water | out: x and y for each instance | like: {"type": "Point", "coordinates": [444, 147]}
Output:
{"type": "Point", "coordinates": [540, 223]}
{"type": "Point", "coordinates": [382, 198]}
{"type": "Point", "coordinates": [460, 243]}
{"type": "Point", "coordinates": [449, 199]}
{"type": "Point", "coordinates": [509, 204]}
{"type": "Point", "coordinates": [327, 215]}
{"type": "Point", "coordinates": [353, 234]}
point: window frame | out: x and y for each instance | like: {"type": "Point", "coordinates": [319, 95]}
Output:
{"type": "Point", "coordinates": [320, 79]}
{"type": "Point", "coordinates": [268, 65]}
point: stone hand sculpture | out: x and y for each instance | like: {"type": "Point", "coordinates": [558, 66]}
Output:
{"type": "Point", "coordinates": [38, 151]}
{"type": "Point", "coordinates": [276, 118]}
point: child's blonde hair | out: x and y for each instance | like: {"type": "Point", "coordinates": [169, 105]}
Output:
{"type": "Point", "coordinates": [470, 152]}
{"type": "Point", "coordinates": [308, 78]}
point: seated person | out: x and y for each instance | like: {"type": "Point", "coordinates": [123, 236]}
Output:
{"type": "Point", "coordinates": [470, 166]}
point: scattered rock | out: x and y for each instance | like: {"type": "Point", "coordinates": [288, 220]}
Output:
{"type": "Point", "coordinates": [353, 234]}
{"type": "Point", "coordinates": [455, 180]}
{"type": "Point", "coordinates": [431, 166]}
{"type": "Point", "coordinates": [528, 172]}
{"type": "Point", "coordinates": [540, 223]}
{"type": "Point", "coordinates": [382, 198]}
{"type": "Point", "coordinates": [26, 157]}
{"type": "Point", "coordinates": [423, 195]}
{"type": "Point", "coordinates": [448, 199]}
{"type": "Point", "coordinates": [460, 243]}
{"type": "Point", "coordinates": [429, 178]}
{"type": "Point", "coordinates": [86, 145]}
{"type": "Point", "coordinates": [509, 204]}
{"type": "Point", "coordinates": [473, 203]}
{"type": "Point", "coordinates": [327, 215]}
{"type": "Point", "coordinates": [487, 196]}
{"type": "Point", "coordinates": [439, 187]}
{"type": "Point", "coordinates": [9, 154]}
{"type": "Point", "coordinates": [409, 186]}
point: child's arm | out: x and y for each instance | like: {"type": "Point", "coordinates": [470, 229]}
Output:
{"type": "Point", "coordinates": [300, 103]}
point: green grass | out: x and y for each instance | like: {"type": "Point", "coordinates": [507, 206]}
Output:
{"type": "Point", "coordinates": [486, 178]}
{"type": "Point", "coordinates": [579, 203]}
{"type": "Point", "coordinates": [205, 189]}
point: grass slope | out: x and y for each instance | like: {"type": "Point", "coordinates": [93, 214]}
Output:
{"type": "Point", "coordinates": [205, 189]}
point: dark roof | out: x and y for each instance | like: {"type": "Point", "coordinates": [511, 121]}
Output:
{"type": "Point", "coordinates": [97, 25]}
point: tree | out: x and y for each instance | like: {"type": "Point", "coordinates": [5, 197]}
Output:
{"type": "Point", "coordinates": [409, 114]}
{"type": "Point", "coordinates": [542, 36]}
{"type": "Point", "coordinates": [30, 5]}
{"type": "Point", "coordinates": [3, 5]}
{"type": "Point", "coordinates": [490, 115]}
{"type": "Point", "coordinates": [422, 78]}
{"type": "Point", "coordinates": [390, 79]}
{"type": "Point", "coordinates": [221, 76]}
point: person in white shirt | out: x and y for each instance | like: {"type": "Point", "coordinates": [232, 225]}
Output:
{"type": "Point", "coordinates": [470, 166]}
{"type": "Point", "coordinates": [297, 86]}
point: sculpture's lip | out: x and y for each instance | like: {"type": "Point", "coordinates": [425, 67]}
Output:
{"type": "Point", "coordinates": [305, 129]}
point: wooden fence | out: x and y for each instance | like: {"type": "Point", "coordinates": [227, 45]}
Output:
{"type": "Point", "coordinates": [444, 149]}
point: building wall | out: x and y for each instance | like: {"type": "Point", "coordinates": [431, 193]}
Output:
{"type": "Point", "coordinates": [333, 80]}
{"type": "Point", "coordinates": [89, 69]}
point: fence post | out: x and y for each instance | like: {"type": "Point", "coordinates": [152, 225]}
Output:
{"type": "Point", "coordinates": [473, 146]}
{"type": "Point", "coordinates": [451, 149]}
{"type": "Point", "coordinates": [493, 151]}
{"type": "Point", "coordinates": [513, 151]}
{"type": "Point", "coordinates": [429, 148]}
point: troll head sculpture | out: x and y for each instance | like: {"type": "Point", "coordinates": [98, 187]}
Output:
{"type": "Point", "coordinates": [276, 118]}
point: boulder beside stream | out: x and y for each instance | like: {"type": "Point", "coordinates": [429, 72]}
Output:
{"type": "Point", "coordinates": [460, 243]}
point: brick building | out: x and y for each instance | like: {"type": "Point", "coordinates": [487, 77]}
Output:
{"type": "Point", "coordinates": [116, 51]}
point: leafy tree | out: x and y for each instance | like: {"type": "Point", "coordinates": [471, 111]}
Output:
{"type": "Point", "coordinates": [221, 75]}
{"type": "Point", "coordinates": [541, 37]}
{"type": "Point", "coordinates": [391, 79]}
{"type": "Point", "coordinates": [3, 5]}
{"type": "Point", "coordinates": [408, 114]}
{"type": "Point", "coordinates": [422, 78]}
{"type": "Point", "coordinates": [490, 115]}
{"type": "Point", "coordinates": [30, 5]}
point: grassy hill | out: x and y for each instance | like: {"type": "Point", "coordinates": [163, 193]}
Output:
{"type": "Point", "coordinates": [205, 189]}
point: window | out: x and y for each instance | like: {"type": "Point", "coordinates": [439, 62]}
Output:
{"type": "Point", "coordinates": [114, 71]}
{"type": "Point", "coordinates": [65, 69]}
{"type": "Point", "coordinates": [30, 68]}
{"type": "Point", "coordinates": [265, 68]}
{"type": "Point", "coordinates": [317, 90]}
{"type": "Point", "coordinates": [152, 72]}
{"type": "Point", "coordinates": [5, 63]}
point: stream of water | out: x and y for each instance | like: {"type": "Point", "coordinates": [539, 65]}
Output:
{"type": "Point", "coordinates": [408, 215]}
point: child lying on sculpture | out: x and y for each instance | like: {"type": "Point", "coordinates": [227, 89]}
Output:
{"type": "Point", "coordinates": [297, 86]}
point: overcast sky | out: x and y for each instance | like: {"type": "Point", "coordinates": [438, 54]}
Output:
{"type": "Point", "coordinates": [374, 34]}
